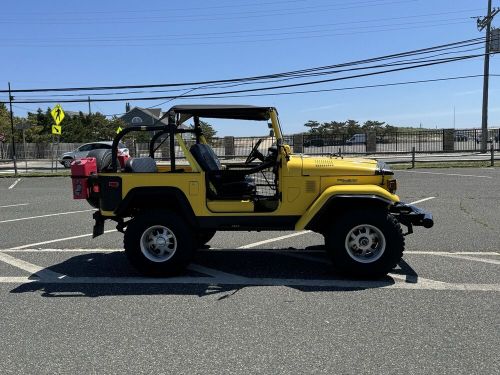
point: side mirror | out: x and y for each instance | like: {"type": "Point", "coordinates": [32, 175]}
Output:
{"type": "Point", "coordinates": [270, 125]}
{"type": "Point", "coordinates": [271, 133]}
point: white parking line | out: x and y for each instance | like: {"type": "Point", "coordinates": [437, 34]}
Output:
{"type": "Point", "coordinates": [58, 240]}
{"type": "Point", "coordinates": [41, 272]}
{"type": "Point", "coordinates": [273, 239]}
{"type": "Point", "coordinates": [446, 174]}
{"type": "Point", "coordinates": [422, 200]}
{"type": "Point", "coordinates": [482, 260]}
{"type": "Point", "coordinates": [279, 251]}
{"type": "Point", "coordinates": [41, 216]}
{"type": "Point", "coordinates": [14, 184]}
{"type": "Point", "coordinates": [15, 205]}
{"type": "Point", "coordinates": [332, 283]}
{"type": "Point", "coordinates": [216, 273]}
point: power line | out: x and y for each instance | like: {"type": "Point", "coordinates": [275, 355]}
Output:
{"type": "Point", "coordinates": [219, 16]}
{"type": "Point", "coordinates": [403, 83]}
{"type": "Point", "coordinates": [298, 76]}
{"type": "Point", "coordinates": [352, 87]}
{"type": "Point", "coordinates": [421, 51]}
{"type": "Point", "coordinates": [461, 58]}
{"type": "Point", "coordinates": [233, 34]}
{"type": "Point", "coordinates": [223, 41]}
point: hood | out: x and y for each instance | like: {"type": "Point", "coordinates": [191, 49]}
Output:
{"type": "Point", "coordinates": [336, 166]}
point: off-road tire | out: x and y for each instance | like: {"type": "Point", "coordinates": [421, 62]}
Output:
{"type": "Point", "coordinates": [337, 247]}
{"type": "Point", "coordinates": [143, 224]}
{"type": "Point", "coordinates": [204, 236]}
{"type": "Point", "coordinates": [103, 159]}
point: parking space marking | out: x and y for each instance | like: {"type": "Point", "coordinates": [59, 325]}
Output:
{"type": "Point", "coordinates": [42, 216]}
{"type": "Point", "coordinates": [482, 260]}
{"type": "Point", "coordinates": [26, 250]}
{"type": "Point", "coordinates": [41, 272]}
{"type": "Point", "coordinates": [249, 246]}
{"type": "Point", "coordinates": [15, 205]}
{"type": "Point", "coordinates": [423, 252]}
{"type": "Point", "coordinates": [331, 283]}
{"type": "Point", "coordinates": [445, 174]}
{"type": "Point", "coordinates": [14, 184]}
{"type": "Point", "coordinates": [216, 277]}
{"type": "Point", "coordinates": [327, 261]}
{"type": "Point", "coordinates": [212, 249]}
{"type": "Point", "coordinates": [422, 200]}
{"type": "Point", "coordinates": [216, 273]}
{"type": "Point", "coordinates": [58, 240]}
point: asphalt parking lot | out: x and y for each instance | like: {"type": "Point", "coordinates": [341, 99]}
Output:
{"type": "Point", "coordinates": [263, 302]}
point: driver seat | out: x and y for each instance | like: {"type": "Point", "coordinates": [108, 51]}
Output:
{"type": "Point", "coordinates": [225, 185]}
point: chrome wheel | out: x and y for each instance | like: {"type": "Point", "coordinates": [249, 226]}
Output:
{"type": "Point", "coordinates": [365, 243]}
{"type": "Point", "coordinates": [158, 243]}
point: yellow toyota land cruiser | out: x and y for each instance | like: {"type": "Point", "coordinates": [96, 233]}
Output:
{"type": "Point", "coordinates": [168, 210]}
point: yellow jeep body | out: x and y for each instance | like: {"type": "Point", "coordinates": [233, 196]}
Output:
{"type": "Point", "coordinates": [305, 186]}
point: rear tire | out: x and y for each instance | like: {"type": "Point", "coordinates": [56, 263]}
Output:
{"type": "Point", "coordinates": [159, 244]}
{"type": "Point", "coordinates": [365, 244]}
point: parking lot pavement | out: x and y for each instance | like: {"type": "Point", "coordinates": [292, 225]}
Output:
{"type": "Point", "coordinates": [252, 302]}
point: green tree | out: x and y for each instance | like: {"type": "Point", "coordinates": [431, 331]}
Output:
{"type": "Point", "coordinates": [313, 126]}
{"type": "Point", "coordinates": [4, 120]}
{"type": "Point", "coordinates": [208, 131]}
{"type": "Point", "coordinates": [370, 125]}
{"type": "Point", "coordinates": [352, 127]}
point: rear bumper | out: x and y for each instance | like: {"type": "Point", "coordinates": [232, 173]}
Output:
{"type": "Point", "coordinates": [411, 215]}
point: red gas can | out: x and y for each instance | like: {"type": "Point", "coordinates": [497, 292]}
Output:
{"type": "Point", "coordinates": [80, 171]}
{"type": "Point", "coordinates": [122, 159]}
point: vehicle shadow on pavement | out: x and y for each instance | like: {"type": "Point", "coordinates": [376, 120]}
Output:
{"type": "Point", "coordinates": [221, 271]}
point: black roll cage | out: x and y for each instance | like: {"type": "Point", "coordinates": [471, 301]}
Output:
{"type": "Point", "coordinates": [171, 129]}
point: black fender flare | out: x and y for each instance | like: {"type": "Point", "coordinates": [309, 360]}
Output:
{"type": "Point", "coordinates": [337, 204]}
{"type": "Point", "coordinates": [155, 198]}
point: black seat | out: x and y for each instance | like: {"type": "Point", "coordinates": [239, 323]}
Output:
{"type": "Point", "coordinates": [141, 165]}
{"type": "Point", "coordinates": [227, 184]}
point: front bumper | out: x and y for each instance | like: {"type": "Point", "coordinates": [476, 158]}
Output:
{"type": "Point", "coordinates": [410, 215]}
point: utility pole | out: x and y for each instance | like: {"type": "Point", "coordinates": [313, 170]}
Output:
{"type": "Point", "coordinates": [482, 23]}
{"type": "Point", "coordinates": [90, 112]}
{"type": "Point", "coordinates": [12, 128]}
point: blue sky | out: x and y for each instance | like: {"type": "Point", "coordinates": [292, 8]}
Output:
{"type": "Point", "coordinates": [63, 43]}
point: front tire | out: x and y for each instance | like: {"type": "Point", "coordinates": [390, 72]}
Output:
{"type": "Point", "coordinates": [364, 244]}
{"type": "Point", "coordinates": [67, 163]}
{"type": "Point", "coordinates": [158, 244]}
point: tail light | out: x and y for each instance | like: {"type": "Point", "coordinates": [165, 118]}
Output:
{"type": "Point", "coordinates": [392, 186]}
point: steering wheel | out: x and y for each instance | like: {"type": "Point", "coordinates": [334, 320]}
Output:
{"type": "Point", "coordinates": [255, 153]}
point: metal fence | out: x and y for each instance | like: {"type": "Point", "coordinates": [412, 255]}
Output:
{"type": "Point", "coordinates": [424, 141]}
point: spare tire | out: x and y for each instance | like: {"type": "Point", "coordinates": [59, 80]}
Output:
{"type": "Point", "coordinates": [103, 159]}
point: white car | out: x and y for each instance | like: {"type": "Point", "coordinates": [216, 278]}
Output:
{"type": "Point", "coordinates": [83, 151]}
{"type": "Point", "coordinates": [357, 139]}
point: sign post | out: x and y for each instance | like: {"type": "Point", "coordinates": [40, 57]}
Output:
{"type": "Point", "coordinates": [57, 114]}
{"type": "Point", "coordinates": [23, 127]}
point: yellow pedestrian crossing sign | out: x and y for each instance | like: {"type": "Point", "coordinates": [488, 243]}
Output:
{"type": "Point", "coordinates": [56, 129]}
{"type": "Point", "coordinates": [57, 114]}
{"type": "Point", "coordinates": [119, 130]}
